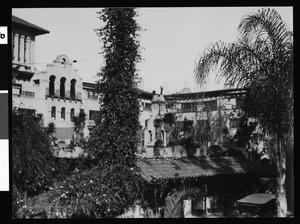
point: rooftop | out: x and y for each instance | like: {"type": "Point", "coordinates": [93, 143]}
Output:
{"type": "Point", "coordinates": [156, 169]}
{"type": "Point", "coordinates": [18, 22]}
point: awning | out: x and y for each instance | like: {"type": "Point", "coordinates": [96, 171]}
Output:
{"type": "Point", "coordinates": [256, 199]}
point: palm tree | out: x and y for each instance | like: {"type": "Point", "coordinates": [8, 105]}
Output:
{"type": "Point", "coordinates": [50, 130]}
{"type": "Point", "coordinates": [174, 201]}
{"type": "Point", "coordinates": [79, 124]}
{"type": "Point", "coordinates": [261, 60]}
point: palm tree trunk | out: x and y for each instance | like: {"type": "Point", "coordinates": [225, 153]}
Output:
{"type": "Point", "coordinates": [281, 199]}
{"type": "Point", "coordinates": [290, 177]}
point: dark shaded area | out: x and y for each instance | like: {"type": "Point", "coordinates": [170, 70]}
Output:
{"type": "Point", "coordinates": [226, 93]}
{"type": "Point", "coordinates": [4, 116]}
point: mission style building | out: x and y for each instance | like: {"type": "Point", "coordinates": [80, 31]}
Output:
{"type": "Point", "coordinates": [58, 93]}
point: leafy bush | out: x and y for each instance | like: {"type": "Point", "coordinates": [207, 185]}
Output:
{"type": "Point", "coordinates": [96, 193]}
{"type": "Point", "coordinates": [157, 122]}
{"type": "Point", "coordinates": [169, 118]}
{"type": "Point", "coordinates": [32, 158]}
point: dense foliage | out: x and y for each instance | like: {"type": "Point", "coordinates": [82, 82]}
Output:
{"type": "Point", "coordinates": [114, 140]}
{"type": "Point", "coordinates": [33, 164]}
{"type": "Point", "coordinates": [90, 194]}
{"type": "Point", "coordinates": [32, 159]}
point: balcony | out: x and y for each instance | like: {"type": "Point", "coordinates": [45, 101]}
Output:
{"type": "Point", "coordinates": [94, 97]}
{"type": "Point", "coordinates": [27, 94]}
{"type": "Point", "coordinates": [67, 96]}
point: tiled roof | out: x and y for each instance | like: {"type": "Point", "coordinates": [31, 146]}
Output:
{"type": "Point", "coordinates": [156, 169]}
{"type": "Point", "coordinates": [20, 22]}
{"type": "Point", "coordinates": [64, 133]}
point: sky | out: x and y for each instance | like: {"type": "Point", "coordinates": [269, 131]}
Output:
{"type": "Point", "coordinates": [172, 40]}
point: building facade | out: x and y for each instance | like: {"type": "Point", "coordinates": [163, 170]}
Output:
{"type": "Point", "coordinates": [198, 107]}
{"type": "Point", "coordinates": [56, 94]}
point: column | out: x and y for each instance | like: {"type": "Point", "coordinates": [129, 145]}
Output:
{"type": "Point", "coordinates": [16, 47]}
{"type": "Point", "coordinates": [12, 46]}
{"type": "Point", "coordinates": [21, 48]}
{"type": "Point", "coordinates": [32, 51]}
{"type": "Point", "coordinates": [27, 50]}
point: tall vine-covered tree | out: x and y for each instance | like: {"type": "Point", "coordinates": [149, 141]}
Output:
{"type": "Point", "coordinates": [114, 140]}
{"type": "Point", "coordinates": [261, 60]}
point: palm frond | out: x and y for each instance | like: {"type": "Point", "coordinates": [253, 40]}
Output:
{"type": "Point", "coordinates": [174, 208]}
{"type": "Point", "coordinates": [268, 22]}
{"type": "Point", "coordinates": [212, 56]}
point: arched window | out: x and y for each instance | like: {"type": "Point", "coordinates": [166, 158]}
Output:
{"type": "Point", "coordinates": [51, 85]}
{"type": "Point", "coordinates": [150, 133]}
{"type": "Point", "coordinates": [72, 113]}
{"type": "Point", "coordinates": [63, 113]}
{"type": "Point", "coordinates": [53, 112]}
{"type": "Point", "coordinates": [62, 86]}
{"type": "Point", "coordinates": [162, 134]}
{"type": "Point", "coordinates": [72, 94]}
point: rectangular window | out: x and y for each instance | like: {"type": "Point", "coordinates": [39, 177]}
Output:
{"type": "Point", "coordinates": [210, 105]}
{"type": "Point", "coordinates": [188, 107]}
{"type": "Point", "coordinates": [239, 103]}
{"type": "Point", "coordinates": [72, 114]}
{"type": "Point", "coordinates": [94, 115]}
{"type": "Point", "coordinates": [63, 113]}
{"type": "Point", "coordinates": [170, 105]}
{"type": "Point", "coordinates": [147, 106]}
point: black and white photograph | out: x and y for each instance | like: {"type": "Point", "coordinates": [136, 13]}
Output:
{"type": "Point", "coordinates": [152, 112]}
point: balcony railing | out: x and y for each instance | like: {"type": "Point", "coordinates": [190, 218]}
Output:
{"type": "Point", "coordinates": [67, 96]}
{"type": "Point", "coordinates": [27, 94]}
{"type": "Point", "coordinates": [94, 97]}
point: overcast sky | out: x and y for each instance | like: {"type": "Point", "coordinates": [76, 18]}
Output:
{"type": "Point", "coordinates": [172, 42]}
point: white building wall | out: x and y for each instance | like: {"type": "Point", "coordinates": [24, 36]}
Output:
{"type": "Point", "coordinates": [43, 104]}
